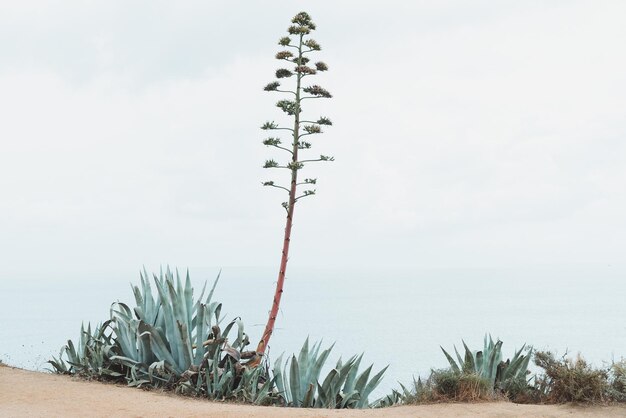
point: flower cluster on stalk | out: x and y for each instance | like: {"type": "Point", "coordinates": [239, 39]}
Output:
{"type": "Point", "coordinates": [317, 91]}
{"type": "Point", "coordinates": [301, 46]}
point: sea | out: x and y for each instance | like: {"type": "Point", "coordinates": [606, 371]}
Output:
{"type": "Point", "coordinates": [398, 318]}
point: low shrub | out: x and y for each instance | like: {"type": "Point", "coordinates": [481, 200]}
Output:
{"type": "Point", "coordinates": [617, 381]}
{"type": "Point", "coordinates": [464, 387]}
{"type": "Point", "coordinates": [571, 380]}
{"type": "Point", "coordinates": [443, 385]}
{"type": "Point", "coordinates": [474, 388]}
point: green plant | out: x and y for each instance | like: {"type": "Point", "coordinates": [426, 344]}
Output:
{"type": "Point", "coordinates": [392, 399]}
{"type": "Point", "coordinates": [476, 375]}
{"type": "Point", "coordinates": [488, 364]}
{"type": "Point", "coordinates": [442, 385]}
{"type": "Point", "coordinates": [473, 388]}
{"type": "Point", "coordinates": [446, 383]}
{"type": "Point", "coordinates": [419, 392]}
{"type": "Point", "coordinates": [464, 387]}
{"type": "Point", "coordinates": [298, 381]}
{"type": "Point", "coordinates": [171, 340]}
{"type": "Point", "coordinates": [171, 328]}
{"type": "Point", "coordinates": [571, 380]}
{"type": "Point", "coordinates": [296, 54]}
{"type": "Point", "coordinates": [90, 356]}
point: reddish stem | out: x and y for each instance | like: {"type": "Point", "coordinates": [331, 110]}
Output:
{"type": "Point", "coordinates": [269, 327]}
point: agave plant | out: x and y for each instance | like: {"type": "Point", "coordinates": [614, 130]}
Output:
{"type": "Point", "coordinates": [169, 328]}
{"type": "Point", "coordinates": [90, 355]}
{"type": "Point", "coordinates": [488, 363]}
{"type": "Point", "coordinates": [169, 338]}
{"type": "Point", "coordinates": [254, 385]}
{"type": "Point", "coordinates": [172, 340]}
{"type": "Point", "coordinates": [398, 397]}
{"type": "Point", "coordinates": [298, 381]}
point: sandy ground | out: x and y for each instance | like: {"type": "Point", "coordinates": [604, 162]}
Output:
{"type": "Point", "coordinates": [31, 394]}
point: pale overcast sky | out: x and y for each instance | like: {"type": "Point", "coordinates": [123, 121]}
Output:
{"type": "Point", "coordinates": [467, 134]}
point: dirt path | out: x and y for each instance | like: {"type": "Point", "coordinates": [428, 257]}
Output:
{"type": "Point", "coordinates": [31, 394]}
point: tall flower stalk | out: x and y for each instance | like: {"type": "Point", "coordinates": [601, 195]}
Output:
{"type": "Point", "coordinates": [298, 46]}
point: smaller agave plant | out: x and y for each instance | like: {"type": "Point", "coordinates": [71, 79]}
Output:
{"type": "Point", "coordinates": [90, 355]}
{"type": "Point", "coordinates": [298, 381]}
{"type": "Point", "coordinates": [488, 363]}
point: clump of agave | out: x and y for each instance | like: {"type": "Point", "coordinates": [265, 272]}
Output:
{"type": "Point", "coordinates": [170, 339]}
{"type": "Point", "coordinates": [91, 355]}
{"type": "Point", "coordinates": [476, 375]}
{"type": "Point", "coordinates": [298, 381]}
{"type": "Point", "coordinates": [488, 364]}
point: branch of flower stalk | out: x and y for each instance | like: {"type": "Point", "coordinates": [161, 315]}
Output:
{"type": "Point", "coordinates": [314, 97]}
{"type": "Point", "coordinates": [271, 184]}
{"type": "Point", "coordinates": [306, 193]}
{"type": "Point", "coordinates": [283, 148]}
{"type": "Point", "coordinates": [304, 145]}
{"type": "Point", "coordinates": [274, 87]}
{"type": "Point", "coordinates": [279, 166]}
{"type": "Point", "coordinates": [277, 129]}
{"type": "Point", "coordinates": [274, 164]}
{"type": "Point", "coordinates": [309, 133]}
{"type": "Point", "coordinates": [314, 122]}
{"type": "Point", "coordinates": [322, 158]}
{"type": "Point", "coordinates": [307, 181]}
{"type": "Point", "coordinates": [285, 91]}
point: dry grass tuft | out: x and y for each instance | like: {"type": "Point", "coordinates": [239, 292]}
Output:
{"type": "Point", "coordinates": [571, 380]}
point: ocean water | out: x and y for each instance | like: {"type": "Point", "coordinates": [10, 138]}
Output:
{"type": "Point", "coordinates": [397, 318]}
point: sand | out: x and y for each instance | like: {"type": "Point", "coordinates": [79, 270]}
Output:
{"type": "Point", "coordinates": [33, 394]}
